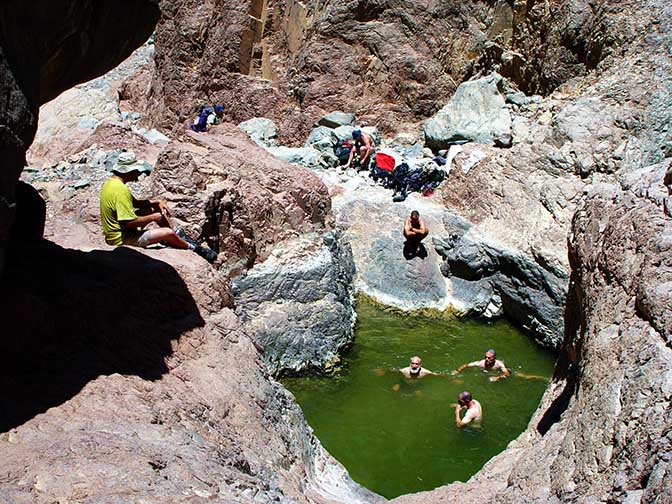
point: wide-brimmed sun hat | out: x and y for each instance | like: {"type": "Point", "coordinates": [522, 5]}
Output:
{"type": "Point", "coordinates": [128, 162]}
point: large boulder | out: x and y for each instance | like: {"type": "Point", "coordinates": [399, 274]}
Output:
{"type": "Point", "coordinates": [477, 112]}
{"type": "Point", "coordinates": [387, 269]}
{"type": "Point", "coordinates": [240, 208]}
{"type": "Point", "coordinates": [531, 290]}
{"type": "Point", "coordinates": [336, 119]}
{"type": "Point", "coordinates": [304, 156]}
{"type": "Point", "coordinates": [263, 131]}
{"type": "Point", "coordinates": [321, 137]}
{"type": "Point", "coordinates": [298, 303]}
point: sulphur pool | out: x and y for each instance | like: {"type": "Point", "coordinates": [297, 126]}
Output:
{"type": "Point", "coordinates": [397, 436]}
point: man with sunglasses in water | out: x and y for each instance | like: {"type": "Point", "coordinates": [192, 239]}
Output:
{"type": "Point", "coordinates": [488, 363]}
{"type": "Point", "coordinates": [474, 412]}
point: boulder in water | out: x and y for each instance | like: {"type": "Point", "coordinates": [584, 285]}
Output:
{"type": "Point", "coordinates": [297, 304]}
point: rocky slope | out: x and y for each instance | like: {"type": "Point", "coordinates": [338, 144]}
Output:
{"type": "Point", "coordinates": [179, 389]}
{"type": "Point", "coordinates": [156, 355]}
{"type": "Point", "coordinates": [391, 62]}
{"type": "Point", "coordinates": [129, 377]}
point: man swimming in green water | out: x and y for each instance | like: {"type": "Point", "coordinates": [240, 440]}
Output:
{"type": "Point", "coordinates": [415, 370]}
{"type": "Point", "coordinates": [474, 412]}
{"type": "Point", "coordinates": [489, 362]}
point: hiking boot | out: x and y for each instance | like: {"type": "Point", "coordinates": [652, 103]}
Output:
{"type": "Point", "coordinates": [181, 234]}
{"type": "Point", "coordinates": [206, 253]}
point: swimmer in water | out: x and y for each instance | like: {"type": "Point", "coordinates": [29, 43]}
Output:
{"type": "Point", "coordinates": [489, 362]}
{"type": "Point", "coordinates": [415, 370]}
{"type": "Point", "coordinates": [474, 412]}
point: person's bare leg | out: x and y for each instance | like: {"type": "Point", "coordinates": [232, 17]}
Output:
{"type": "Point", "coordinates": [167, 236]}
{"type": "Point", "coordinates": [363, 154]}
{"type": "Point", "coordinates": [352, 155]}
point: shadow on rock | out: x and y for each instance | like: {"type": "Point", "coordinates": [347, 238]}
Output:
{"type": "Point", "coordinates": [413, 250]}
{"type": "Point", "coordinates": [69, 316]}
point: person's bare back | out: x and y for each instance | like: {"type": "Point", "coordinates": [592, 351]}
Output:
{"type": "Point", "coordinates": [474, 412]}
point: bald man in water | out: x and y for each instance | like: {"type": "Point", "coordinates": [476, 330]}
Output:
{"type": "Point", "coordinates": [489, 362]}
{"type": "Point", "coordinates": [474, 412]}
{"type": "Point", "coordinates": [415, 370]}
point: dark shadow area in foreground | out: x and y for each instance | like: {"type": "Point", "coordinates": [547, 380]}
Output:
{"type": "Point", "coordinates": [69, 316]}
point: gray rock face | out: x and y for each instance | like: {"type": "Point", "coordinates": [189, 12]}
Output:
{"type": "Point", "coordinates": [529, 290]}
{"type": "Point", "coordinates": [336, 119]}
{"type": "Point", "coordinates": [321, 136]}
{"type": "Point", "coordinates": [261, 130]}
{"type": "Point", "coordinates": [298, 305]}
{"type": "Point", "coordinates": [476, 112]}
{"type": "Point", "coordinates": [305, 156]}
{"type": "Point", "coordinates": [386, 270]}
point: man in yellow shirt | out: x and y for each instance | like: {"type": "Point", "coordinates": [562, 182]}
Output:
{"type": "Point", "coordinates": [121, 224]}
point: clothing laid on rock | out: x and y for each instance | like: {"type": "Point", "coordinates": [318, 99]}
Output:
{"type": "Point", "coordinates": [404, 179]}
{"type": "Point", "coordinates": [342, 151]}
{"type": "Point", "coordinates": [116, 204]}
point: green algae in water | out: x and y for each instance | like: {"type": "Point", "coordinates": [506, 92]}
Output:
{"type": "Point", "coordinates": [405, 440]}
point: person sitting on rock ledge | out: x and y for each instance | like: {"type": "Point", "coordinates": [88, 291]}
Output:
{"type": "Point", "coordinates": [121, 224]}
{"type": "Point", "coordinates": [415, 230]}
{"type": "Point", "coordinates": [363, 146]}
{"type": "Point", "coordinates": [489, 362]}
{"type": "Point", "coordinates": [474, 412]}
{"type": "Point", "coordinates": [415, 370]}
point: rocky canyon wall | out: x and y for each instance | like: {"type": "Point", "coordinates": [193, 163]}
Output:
{"type": "Point", "coordinates": [391, 62]}
{"type": "Point", "coordinates": [172, 401]}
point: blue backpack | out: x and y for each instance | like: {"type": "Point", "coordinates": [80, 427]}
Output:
{"type": "Point", "coordinates": [202, 123]}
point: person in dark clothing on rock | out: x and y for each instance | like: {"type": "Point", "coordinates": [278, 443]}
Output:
{"type": "Point", "coordinates": [207, 117]}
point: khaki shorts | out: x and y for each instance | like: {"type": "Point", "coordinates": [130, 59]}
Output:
{"type": "Point", "coordinates": [140, 239]}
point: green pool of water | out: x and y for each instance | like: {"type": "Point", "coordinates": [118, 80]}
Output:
{"type": "Point", "coordinates": [396, 435]}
